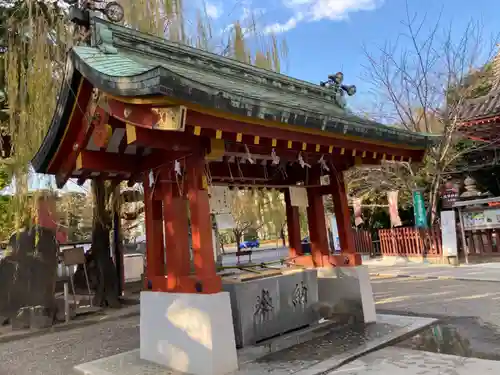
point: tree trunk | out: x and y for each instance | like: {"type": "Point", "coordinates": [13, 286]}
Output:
{"type": "Point", "coordinates": [433, 198]}
{"type": "Point", "coordinates": [237, 237]}
{"type": "Point", "coordinates": [107, 281]}
{"type": "Point", "coordinates": [282, 235]}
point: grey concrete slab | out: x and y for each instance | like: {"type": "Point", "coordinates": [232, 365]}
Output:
{"type": "Point", "coordinates": [396, 361]}
{"type": "Point", "coordinates": [324, 352]}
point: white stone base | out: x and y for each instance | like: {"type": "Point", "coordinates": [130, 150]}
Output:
{"type": "Point", "coordinates": [191, 333]}
{"type": "Point", "coordinates": [347, 288]}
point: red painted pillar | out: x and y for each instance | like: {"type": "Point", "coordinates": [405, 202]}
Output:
{"type": "Point", "coordinates": [155, 256]}
{"type": "Point", "coordinates": [175, 217]}
{"type": "Point", "coordinates": [207, 280]}
{"type": "Point", "coordinates": [343, 217]}
{"type": "Point", "coordinates": [293, 224]}
{"type": "Point", "coordinates": [317, 227]}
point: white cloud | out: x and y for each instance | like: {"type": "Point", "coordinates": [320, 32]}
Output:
{"type": "Point", "coordinates": [277, 28]}
{"type": "Point", "coordinates": [213, 11]}
{"type": "Point", "coordinates": [339, 9]}
{"type": "Point", "coordinates": [317, 10]}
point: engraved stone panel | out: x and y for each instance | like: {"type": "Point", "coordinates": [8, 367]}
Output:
{"type": "Point", "coordinates": [263, 308]}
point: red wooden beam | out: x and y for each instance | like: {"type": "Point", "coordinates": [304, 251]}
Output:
{"type": "Point", "coordinates": [161, 139]}
{"type": "Point", "coordinates": [94, 117]}
{"type": "Point", "coordinates": [196, 119]}
{"type": "Point", "coordinates": [222, 170]}
{"type": "Point", "coordinates": [147, 116]}
{"type": "Point", "coordinates": [134, 114]}
{"type": "Point", "coordinates": [100, 161]}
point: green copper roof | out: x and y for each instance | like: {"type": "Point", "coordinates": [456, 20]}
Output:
{"type": "Point", "coordinates": [116, 65]}
{"type": "Point", "coordinates": [126, 62]}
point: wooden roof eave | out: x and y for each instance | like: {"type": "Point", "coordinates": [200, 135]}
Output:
{"type": "Point", "coordinates": [66, 103]}
{"type": "Point", "coordinates": [173, 88]}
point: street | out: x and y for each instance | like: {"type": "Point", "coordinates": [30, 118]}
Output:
{"type": "Point", "coordinates": [439, 297]}
{"type": "Point", "coordinates": [477, 272]}
{"type": "Point", "coordinates": [267, 253]}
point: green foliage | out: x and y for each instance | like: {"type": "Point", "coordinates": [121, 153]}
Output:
{"type": "Point", "coordinates": [6, 217]}
{"type": "Point", "coordinates": [76, 216]}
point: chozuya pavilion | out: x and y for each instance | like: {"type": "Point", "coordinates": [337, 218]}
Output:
{"type": "Point", "coordinates": [137, 108]}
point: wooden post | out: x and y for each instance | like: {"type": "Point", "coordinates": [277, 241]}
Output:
{"type": "Point", "coordinates": [155, 255]}
{"type": "Point", "coordinates": [462, 234]}
{"type": "Point", "coordinates": [343, 217]}
{"type": "Point", "coordinates": [207, 280]}
{"type": "Point", "coordinates": [175, 217]}
{"type": "Point", "coordinates": [293, 224]}
{"type": "Point", "coordinates": [317, 226]}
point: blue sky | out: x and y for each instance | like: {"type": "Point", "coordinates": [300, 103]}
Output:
{"type": "Point", "coordinates": [325, 36]}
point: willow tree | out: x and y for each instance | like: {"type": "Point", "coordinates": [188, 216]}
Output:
{"type": "Point", "coordinates": [35, 38]}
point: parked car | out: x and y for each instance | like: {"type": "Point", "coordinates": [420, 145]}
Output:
{"type": "Point", "coordinates": [249, 244]}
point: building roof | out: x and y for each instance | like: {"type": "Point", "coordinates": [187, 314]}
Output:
{"type": "Point", "coordinates": [126, 63]}
{"type": "Point", "coordinates": [488, 105]}
{"type": "Point", "coordinates": [483, 107]}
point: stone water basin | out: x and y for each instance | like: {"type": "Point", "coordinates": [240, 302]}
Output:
{"type": "Point", "coordinates": [270, 303]}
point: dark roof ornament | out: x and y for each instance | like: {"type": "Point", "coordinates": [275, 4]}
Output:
{"type": "Point", "coordinates": [80, 9]}
{"type": "Point", "coordinates": [335, 84]}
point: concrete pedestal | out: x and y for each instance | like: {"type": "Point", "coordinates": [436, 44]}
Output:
{"type": "Point", "coordinates": [190, 333]}
{"type": "Point", "coordinates": [348, 290]}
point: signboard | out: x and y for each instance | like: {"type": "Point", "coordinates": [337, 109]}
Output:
{"type": "Point", "coordinates": [449, 194]}
{"type": "Point", "coordinates": [298, 196]}
{"type": "Point", "coordinates": [221, 199]}
{"type": "Point", "coordinates": [419, 209]}
{"type": "Point", "coordinates": [449, 233]}
{"type": "Point", "coordinates": [481, 219]}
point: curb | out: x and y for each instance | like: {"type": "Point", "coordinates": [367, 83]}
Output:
{"type": "Point", "coordinates": [62, 327]}
{"type": "Point", "coordinates": [428, 277]}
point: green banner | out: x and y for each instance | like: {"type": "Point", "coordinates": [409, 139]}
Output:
{"type": "Point", "coordinates": [419, 209]}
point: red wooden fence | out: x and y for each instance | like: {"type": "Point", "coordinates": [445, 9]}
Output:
{"type": "Point", "coordinates": [363, 241]}
{"type": "Point", "coordinates": [411, 242]}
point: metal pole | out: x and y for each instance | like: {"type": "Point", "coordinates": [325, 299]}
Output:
{"type": "Point", "coordinates": [66, 302]}
{"type": "Point", "coordinates": [462, 231]}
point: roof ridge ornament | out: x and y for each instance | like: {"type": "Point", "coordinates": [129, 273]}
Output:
{"type": "Point", "coordinates": [80, 11]}
{"type": "Point", "coordinates": [339, 90]}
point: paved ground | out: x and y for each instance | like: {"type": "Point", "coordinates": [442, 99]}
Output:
{"type": "Point", "coordinates": [57, 353]}
{"type": "Point", "coordinates": [324, 350]}
{"type": "Point", "coordinates": [397, 361]}
{"type": "Point", "coordinates": [478, 272]}
{"type": "Point", "coordinates": [439, 297]}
